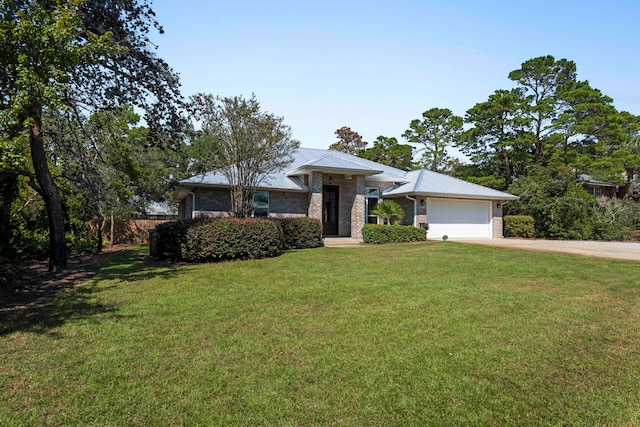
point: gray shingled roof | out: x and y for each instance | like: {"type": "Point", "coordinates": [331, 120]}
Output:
{"type": "Point", "coordinates": [421, 182]}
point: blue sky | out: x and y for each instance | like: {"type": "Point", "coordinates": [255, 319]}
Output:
{"type": "Point", "coordinates": [376, 65]}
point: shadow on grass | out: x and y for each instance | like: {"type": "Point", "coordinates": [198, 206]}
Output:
{"type": "Point", "coordinates": [74, 304]}
{"type": "Point", "coordinates": [132, 266]}
{"type": "Point", "coordinates": [42, 311]}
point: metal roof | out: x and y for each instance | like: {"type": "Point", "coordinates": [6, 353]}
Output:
{"type": "Point", "coordinates": [589, 180]}
{"type": "Point", "coordinates": [274, 181]}
{"type": "Point", "coordinates": [332, 163]}
{"type": "Point", "coordinates": [420, 182]}
{"type": "Point", "coordinates": [308, 159]}
{"type": "Point", "coordinates": [427, 183]}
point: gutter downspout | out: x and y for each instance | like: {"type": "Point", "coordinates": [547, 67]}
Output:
{"type": "Point", "coordinates": [193, 202]}
{"type": "Point", "coordinates": [415, 209]}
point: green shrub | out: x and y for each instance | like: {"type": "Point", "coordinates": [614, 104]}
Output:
{"type": "Point", "coordinates": [617, 219]}
{"type": "Point", "coordinates": [519, 226]}
{"type": "Point", "coordinates": [231, 238]}
{"type": "Point", "coordinates": [301, 233]}
{"type": "Point", "coordinates": [168, 240]}
{"type": "Point", "coordinates": [29, 244]}
{"type": "Point", "coordinates": [81, 242]}
{"type": "Point", "coordinates": [378, 234]}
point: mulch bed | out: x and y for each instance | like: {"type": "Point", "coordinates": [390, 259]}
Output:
{"type": "Point", "coordinates": [31, 283]}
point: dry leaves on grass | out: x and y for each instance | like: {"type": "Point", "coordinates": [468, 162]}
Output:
{"type": "Point", "coordinates": [31, 283]}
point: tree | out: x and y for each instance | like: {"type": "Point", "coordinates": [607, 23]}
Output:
{"type": "Point", "coordinates": [243, 143]}
{"type": "Point", "coordinates": [438, 129]}
{"type": "Point", "coordinates": [587, 122]}
{"type": "Point", "coordinates": [12, 159]}
{"type": "Point", "coordinates": [348, 141]}
{"type": "Point", "coordinates": [387, 210]}
{"type": "Point", "coordinates": [78, 55]}
{"type": "Point", "coordinates": [388, 151]}
{"type": "Point", "coordinates": [105, 157]}
{"type": "Point", "coordinates": [542, 80]}
{"type": "Point", "coordinates": [497, 130]}
{"type": "Point", "coordinates": [560, 207]}
{"type": "Point", "coordinates": [628, 152]}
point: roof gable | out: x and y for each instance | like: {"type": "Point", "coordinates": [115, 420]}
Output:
{"type": "Point", "coordinates": [333, 163]}
{"type": "Point", "coordinates": [427, 183]}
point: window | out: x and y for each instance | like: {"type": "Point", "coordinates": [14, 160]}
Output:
{"type": "Point", "coordinates": [596, 191]}
{"type": "Point", "coordinates": [261, 203]}
{"type": "Point", "coordinates": [371, 196]}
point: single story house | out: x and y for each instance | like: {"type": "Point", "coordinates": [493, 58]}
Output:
{"type": "Point", "coordinates": [605, 189]}
{"type": "Point", "coordinates": [342, 190]}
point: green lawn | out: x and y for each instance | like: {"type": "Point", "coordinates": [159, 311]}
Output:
{"type": "Point", "coordinates": [422, 334]}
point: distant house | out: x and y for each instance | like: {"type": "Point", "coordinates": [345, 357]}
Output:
{"type": "Point", "coordinates": [341, 191]}
{"type": "Point", "coordinates": [160, 211]}
{"type": "Point", "coordinates": [599, 188]}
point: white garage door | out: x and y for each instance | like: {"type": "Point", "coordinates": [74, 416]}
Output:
{"type": "Point", "coordinates": [458, 218]}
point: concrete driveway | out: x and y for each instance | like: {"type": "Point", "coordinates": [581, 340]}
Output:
{"type": "Point", "coordinates": [627, 251]}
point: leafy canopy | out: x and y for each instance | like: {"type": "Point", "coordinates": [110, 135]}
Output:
{"type": "Point", "coordinates": [242, 142]}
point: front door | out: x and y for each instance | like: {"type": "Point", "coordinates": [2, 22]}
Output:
{"type": "Point", "coordinates": [330, 210]}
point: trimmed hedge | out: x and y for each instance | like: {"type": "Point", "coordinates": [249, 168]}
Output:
{"type": "Point", "coordinates": [169, 238]}
{"type": "Point", "coordinates": [232, 238]}
{"type": "Point", "coordinates": [519, 226]}
{"type": "Point", "coordinates": [300, 233]}
{"type": "Point", "coordinates": [378, 234]}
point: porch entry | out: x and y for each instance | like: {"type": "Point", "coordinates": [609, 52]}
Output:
{"type": "Point", "coordinates": [330, 194]}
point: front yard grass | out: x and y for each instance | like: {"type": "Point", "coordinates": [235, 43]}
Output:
{"type": "Point", "coordinates": [421, 334]}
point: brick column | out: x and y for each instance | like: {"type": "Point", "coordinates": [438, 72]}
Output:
{"type": "Point", "coordinates": [315, 195]}
{"type": "Point", "coordinates": [496, 220]}
{"type": "Point", "coordinates": [357, 210]}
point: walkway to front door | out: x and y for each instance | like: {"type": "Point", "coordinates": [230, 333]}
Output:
{"type": "Point", "coordinates": [342, 242]}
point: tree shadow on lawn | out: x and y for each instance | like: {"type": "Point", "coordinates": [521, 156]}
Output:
{"type": "Point", "coordinates": [39, 301]}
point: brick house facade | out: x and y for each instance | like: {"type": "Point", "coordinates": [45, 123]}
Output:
{"type": "Point", "coordinates": [338, 190]}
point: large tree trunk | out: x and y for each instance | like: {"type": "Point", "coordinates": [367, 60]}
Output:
{"type": "Point", "coordinates": [51, 196]}
{"type": "Point", "coordinates": [507, 167]}
{"type": "Point", "coordinates": [8, 193]}
{"type": "Point", "coordinates": [630, 173]}
{"type": "Point", "coordinates": [100, 225]}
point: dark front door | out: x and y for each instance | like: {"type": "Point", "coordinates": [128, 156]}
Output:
{"type": "Point", "coordinates": [330, 210]}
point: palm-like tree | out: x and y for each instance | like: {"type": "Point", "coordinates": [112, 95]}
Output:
{"type": "Point", "coordinates": [388, 210]}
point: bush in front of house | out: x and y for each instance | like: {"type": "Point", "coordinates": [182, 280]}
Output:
{"type": "Point", "coordinates": [519, 226]}
{"type": "Point", "coordinates": [223, 239]}
{"type": "Point", "coordinates": [301, 233]}
{"type": "Point", "coordinates": [378, 233]}
{"type": "Point", "coordinates": [168, 240]}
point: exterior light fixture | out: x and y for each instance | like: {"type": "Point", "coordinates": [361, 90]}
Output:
{"type": "Point", "coordinates": [421, 202]}
{"type": "Point", "coordinates": [330, 180]}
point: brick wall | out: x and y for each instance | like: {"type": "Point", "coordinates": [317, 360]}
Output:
{"type": "Point", "coordinates": [315, 196]}
{"type": "Point", "coordinates": [496, 220]}
{"type": "Point", "coordinates": [357, 209]}
{"type": "Point", "coordinates": [214, 199]}
{"type": "Point", "coordinates": [292, 204]}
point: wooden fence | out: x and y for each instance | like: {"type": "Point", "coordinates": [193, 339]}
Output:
{"type": "Point", "coordinates": [131, 232]}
